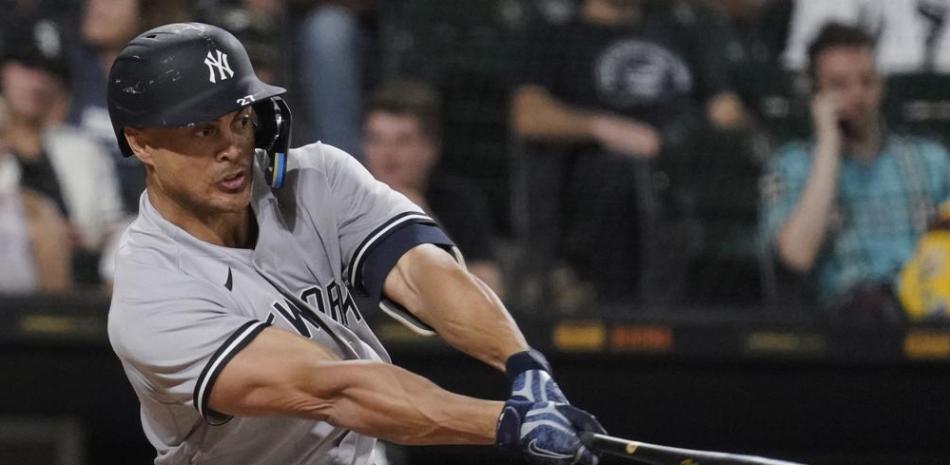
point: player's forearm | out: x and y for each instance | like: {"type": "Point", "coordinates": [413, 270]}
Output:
{"type": "Point", "coordinates": [803, 234]}
{"type": "Point", "coordinates": [537, 115]}
{"type": "Point", "coordinates": [461, 309]}
{"type": "Point", "coordinates": [479, 324]}
{"type": "Point", "coordinates": [281, 373]}
{"type": "Point", "coordinates": [388, 402]}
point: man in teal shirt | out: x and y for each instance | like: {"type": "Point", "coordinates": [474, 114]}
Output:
{"type": "Point", "coordinates": [849, 205]}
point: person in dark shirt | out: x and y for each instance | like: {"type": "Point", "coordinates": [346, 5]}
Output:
{"type": "Point", "coordinates": [597, 98]}
{"type": "Point", "coordinates": [401, 145]}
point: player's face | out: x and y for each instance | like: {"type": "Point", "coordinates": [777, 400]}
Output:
{"type": "Point", "coordinates": [204, 168]}
{"type": "Point", "coordinates": [30, 92]}
{"type": "Point", "coordinates": [397, 151]}
{"type": "Point", "coordinates": [849, 72]}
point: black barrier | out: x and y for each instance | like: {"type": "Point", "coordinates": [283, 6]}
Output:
{"type": "Point", "coordinates": [819, 394]}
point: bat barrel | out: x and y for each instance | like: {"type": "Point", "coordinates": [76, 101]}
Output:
{"type": "Point", "coordinates": [653, 454]}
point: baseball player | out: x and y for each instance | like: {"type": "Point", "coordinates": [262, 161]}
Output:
{"type": "Point", "coordinates": [232, 313]}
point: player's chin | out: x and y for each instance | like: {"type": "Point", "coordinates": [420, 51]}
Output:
{"type": "Point", "coordinates": [232, 201]}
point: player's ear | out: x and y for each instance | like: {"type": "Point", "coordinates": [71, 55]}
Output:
{"type": "Point", "coordinates": [138, 141]}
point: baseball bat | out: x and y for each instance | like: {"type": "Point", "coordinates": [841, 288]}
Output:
{"type": "Point", "coordinates": [653, 454]}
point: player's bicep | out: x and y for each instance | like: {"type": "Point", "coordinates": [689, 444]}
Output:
{"type": "Point", "coordinates": [277, 373]}
{"type": "Point", "coordinates": [417, 272]}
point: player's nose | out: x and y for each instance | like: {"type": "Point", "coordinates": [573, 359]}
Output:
{"type": "Point", "coordinates": [231, 143]}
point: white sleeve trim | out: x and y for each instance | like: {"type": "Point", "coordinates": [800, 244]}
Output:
{"type": "Point", "coordinates": [229, 349]}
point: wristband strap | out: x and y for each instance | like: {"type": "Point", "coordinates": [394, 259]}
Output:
{"type": "Point", "coordinates": [524, 361]}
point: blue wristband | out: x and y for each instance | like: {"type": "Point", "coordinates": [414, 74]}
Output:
{"type": "Point", "coordinates": [523, 361]}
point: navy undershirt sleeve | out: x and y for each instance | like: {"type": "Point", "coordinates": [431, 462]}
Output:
{"type": "Point", "coordinates": [386, 252]}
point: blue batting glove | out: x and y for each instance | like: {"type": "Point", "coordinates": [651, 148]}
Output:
{"type": "Point", "coordinates": [544, 433]}
{"type": "Point", "coordinates": [523, 371]}
{"type": "Point", "coordinates": [538, 421]}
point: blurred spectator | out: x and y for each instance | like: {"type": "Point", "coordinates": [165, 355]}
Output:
{"type": "Point", "coordinates": [34, 246]}
{"type": "Point", "coordinates": [55, 160]}
{"type": "Point", "coordinates": [849, 205]}
{"type": "Point", "coordinates": [693, 30]}
{"type": "Point", "coordinates": [331, 48]}
{"type": "Point", "coordinates": [104, 28]}
{"type": "Point", "coordinates": [402, 144]}
{"type": "Point", "coordinates": [910, 34]}
{"type": "Point", "coordinates": [63, 13]}
{"type": "Point", "coordinates": [255, 24]}
{"type": "Point", "coordinates": [609, 89]}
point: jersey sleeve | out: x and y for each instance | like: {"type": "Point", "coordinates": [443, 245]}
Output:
{"type": "Point", "coordinates": [376, 225]}
{"type": "Point", "coordinates": [175, 336]}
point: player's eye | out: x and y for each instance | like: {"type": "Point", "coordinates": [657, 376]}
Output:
{"type": "Point", "coordinates": [206, 131]}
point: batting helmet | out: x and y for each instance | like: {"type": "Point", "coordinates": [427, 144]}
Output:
{"type": "Point", "coordinates": [185, 73]}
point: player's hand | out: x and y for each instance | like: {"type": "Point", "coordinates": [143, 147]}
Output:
{"type": "Point", "coordinates": [625, 136]}
{"type": "Point", "coordinates": [546, 433]}
{"type": "Point", "coordinates": [537, 419]}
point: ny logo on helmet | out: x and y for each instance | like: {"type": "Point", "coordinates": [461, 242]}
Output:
{"type": "Point", "coordinates": [221, 62]}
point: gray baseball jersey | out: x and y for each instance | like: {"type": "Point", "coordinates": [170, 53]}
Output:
{"type": "Point", "coordinates": [182, 308]}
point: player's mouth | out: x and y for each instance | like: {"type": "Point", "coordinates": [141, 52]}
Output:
{"type": "Point", "coordinates": [234, 183]}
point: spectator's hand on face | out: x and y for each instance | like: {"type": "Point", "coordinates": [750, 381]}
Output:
{"type": "Point", "coordinates": [626, 136]}
{"type": "Point", "coordinates": [826, 118]}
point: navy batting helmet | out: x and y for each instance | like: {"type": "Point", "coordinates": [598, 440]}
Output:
{"type": "Point", "coordinates": [186, 73]}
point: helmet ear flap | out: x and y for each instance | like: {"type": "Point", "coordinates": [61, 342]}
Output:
{"type": "Point", "coordinates": [272, 137]}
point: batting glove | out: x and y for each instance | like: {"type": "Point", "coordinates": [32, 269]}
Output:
{"type": "Point", "coordinates": [537, 419]}
{"type": "Point", "coordinates": [546, 433]}
{"type": "Point", "coordinates": [524, 371]}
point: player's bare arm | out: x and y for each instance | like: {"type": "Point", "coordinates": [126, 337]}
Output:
{"type": "Point", "coordinates": [465, 312]}
{"type": "Point", "coordinates": [280, 373]}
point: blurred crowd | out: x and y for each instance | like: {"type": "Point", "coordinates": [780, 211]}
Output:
{"type": "Point", "coordinates": [621, 155]}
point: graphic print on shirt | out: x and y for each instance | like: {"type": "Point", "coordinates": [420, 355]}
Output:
{"type": "Point", "coordinates": [633, 72]}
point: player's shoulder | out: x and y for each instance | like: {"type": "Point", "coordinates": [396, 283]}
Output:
{"type": "Point", "coordinates": [149, 258]}
{"type": "Point", "coordinates": [316, 156]}
{"type": "Point", "coordinates": [151, 279]}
